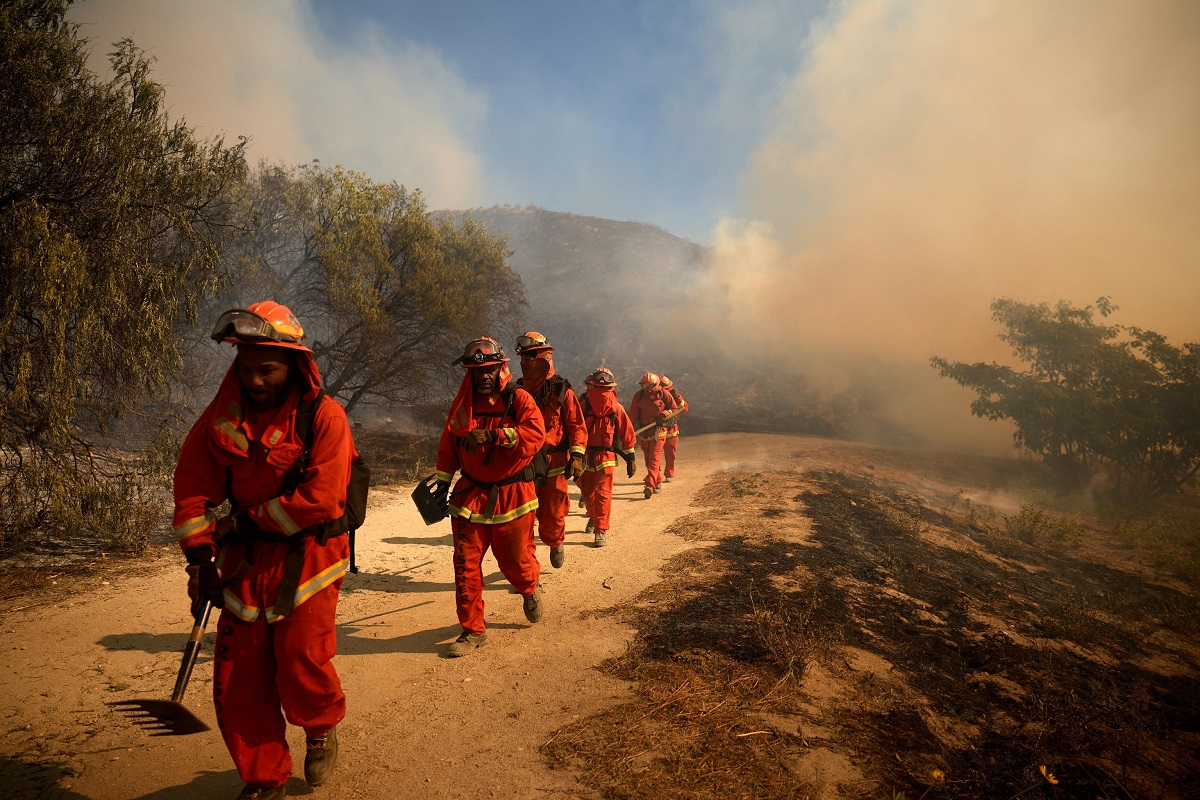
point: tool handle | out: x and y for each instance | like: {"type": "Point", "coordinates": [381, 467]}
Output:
{"type": "Point", "coordinates": [190, 651]}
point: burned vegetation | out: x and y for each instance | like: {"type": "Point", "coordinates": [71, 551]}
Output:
{"type": "Point", "coordinates": [836, 638]}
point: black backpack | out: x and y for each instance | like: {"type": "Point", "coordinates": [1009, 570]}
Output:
{"type": "Point", "coordinates": [356, 489]}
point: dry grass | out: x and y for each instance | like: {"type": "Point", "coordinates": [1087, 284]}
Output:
{"type": "Point", "coordinates": [981, 645]}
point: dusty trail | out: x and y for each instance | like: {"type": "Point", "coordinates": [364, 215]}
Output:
{"type": "Point", "coordinates": [419, 725]}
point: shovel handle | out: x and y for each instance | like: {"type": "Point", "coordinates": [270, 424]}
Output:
{"type": "Point", "coordinates": [190, 651]}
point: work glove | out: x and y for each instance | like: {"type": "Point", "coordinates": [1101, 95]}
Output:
{"type": "Point", "coordinates": [630, 465]}
{"type": "Point", "coordinates": [204, 582]}
{"type": "Point", "coordinates": [662, 417]}
{"type": "Point", "coordinates": [477, 437]}
{"type": "Point", "coordinates": [576, 466]}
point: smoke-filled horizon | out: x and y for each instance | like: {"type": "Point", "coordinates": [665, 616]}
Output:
{"type": "Point", "coordinates": [931, 157]}
{"type": "Point", "coordinates": [903, 164]}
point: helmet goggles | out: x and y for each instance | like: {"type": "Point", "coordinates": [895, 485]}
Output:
{"type": "Point", "coordinates": [481, 352]}
{"type": "Point", "coordinates": [533, 343]}
{"type": "Point", "coordinates": [243, 325]}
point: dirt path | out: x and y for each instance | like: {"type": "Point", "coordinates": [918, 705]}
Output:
{"type": "Point", "coordinates": [419, 725]}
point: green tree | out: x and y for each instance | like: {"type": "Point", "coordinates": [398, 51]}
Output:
{"type": "Point", "coordinates": [111, 217]}
{"type": "Point", "coordinates": [1092, 395]}
{"type": "Point", "coordinates": [387, 295]}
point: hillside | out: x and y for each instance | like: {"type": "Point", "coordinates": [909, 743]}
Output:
{"type": "Point", "coordinates": [594, 285]}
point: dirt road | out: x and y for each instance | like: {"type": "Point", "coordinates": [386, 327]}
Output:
{"type": "Point", "coordinates": [419, 724]}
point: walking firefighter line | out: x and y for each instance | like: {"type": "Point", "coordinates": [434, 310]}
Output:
{"type": "Point", "coordinates": [277, 451]}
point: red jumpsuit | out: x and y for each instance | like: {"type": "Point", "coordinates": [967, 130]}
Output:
{"type": "Point", "coordinates": [644, 409]}
{"type": "Point", "coordinates": [608, 430]}
{"type": "Point", "coordinates": [671, 443]}
{"type": "Point", "coordinates": [565, 436]}
{"type": "Point", "coordinates": [268, 656]}
{"type": "Point", "coordinates": [485, 510]}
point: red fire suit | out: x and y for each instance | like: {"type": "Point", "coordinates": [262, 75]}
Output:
{"type": "Point", "coordinates": [671, 443]}
{"type": "Point", "coordinates": [644, 409]}
{"type": "Point", "coordinates": [492, 503]}
{"type": "Point", "coordinates": [275, 637]}
{"type": "Point", "coordinates": [566, 435]}
{"type": "Point", "coordinates": [608, 431]}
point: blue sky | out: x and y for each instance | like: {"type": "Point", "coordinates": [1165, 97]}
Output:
{"type": "Point", "coordinates": [645, 111]}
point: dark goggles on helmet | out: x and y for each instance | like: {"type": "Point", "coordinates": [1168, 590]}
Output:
{"type": "Point", "coordinates": [250, 327]}
{"type": "Point", "coordinates": [529, 343]}
{"type": "Point", "coordinates": [480, 352]}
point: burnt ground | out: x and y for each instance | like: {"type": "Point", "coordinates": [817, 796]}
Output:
{"type": "Point", "coordinates": [840, 637]}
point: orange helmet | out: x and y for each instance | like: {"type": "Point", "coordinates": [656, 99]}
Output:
{"type": "Point", "coordinates": [665, 382]}
{"type": "Point", "coordinates": [650, 378]}
{"type": "Point", "coordinates": [601, 379]}
{"type": "Point", "coordinates": [266, 322]}
{"type": "Point", "coordinates": [481, 352]}
{"type": "Point", "coordinates": [533, 343]}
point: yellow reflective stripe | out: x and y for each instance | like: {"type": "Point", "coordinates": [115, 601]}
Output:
{"type": "Point", "coordinates": [628, 452]}
{"type": "Point", "coordinates": [235, 606]}
{"type": "Point", "coordinates": [510, 435]}
{"type": "Point", "coordinates": [556, 471]}
{"type": "Point", "coordinates": [443, 476]}
{"type": "Point", "coordinates": [285, 523]}
{"type": "Point", "coordinates": [577, 449]}
{"type": "Point", "coordinates": [313, 585]}
{"type": "Point", "coordinates": [498, 519]}
{"type": "Point", "coordinates": [193, 526]}
{"type": "Point", "coordinates": [230, 429]}
{"type": "Point", "coordinates": [675, 433]}
{"type": "Point", "coordinates": [601, 465]}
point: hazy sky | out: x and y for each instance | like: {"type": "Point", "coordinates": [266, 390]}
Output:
{"type": "Point", "coordinates": [871, 174]}
{"type": "Point", "coordinates": [643, 111]}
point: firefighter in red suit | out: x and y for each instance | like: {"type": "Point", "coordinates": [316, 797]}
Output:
{"type": "Point", "coordinates": [566, 438]}
{"type": "Point", "coordinates": [650, 406]}
{"type": "Point", "coordinates": [492, 432]}
{"type": "Point", "coordinates": [609, 434]}
{"type": "Point", "coordinates": [671, 443]}
{"type": "Point", "coordinates": [264, 563]}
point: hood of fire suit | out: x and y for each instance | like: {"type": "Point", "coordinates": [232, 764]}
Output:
{"type": "Point", "coordinates": [228, 409]}
{"type": "Point", "coordinates": [537, 372]}
{"type": "Point", "coordinates": [601, 401]}
{"type": "Point", "coordinates": [461, 417]}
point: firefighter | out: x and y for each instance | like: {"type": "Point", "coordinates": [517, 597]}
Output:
{"type": "Point", "coordinates": [566, 438]}
{"type": "Point", "coordinates": [609, 434]}
{"type": "Point", "coordinates": [492, 432]}
{"type": "Point", "coordinates": [671, 443]}
{"type": "Point", "coordinates": [650, 406]}
{"type": "Point", "coordinates": [267, 564]}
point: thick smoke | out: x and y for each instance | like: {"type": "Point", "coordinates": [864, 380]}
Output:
{"type": "Point", "coordinates": [932, 156]}
{"type": "Point", "coordinates": [393, 109]}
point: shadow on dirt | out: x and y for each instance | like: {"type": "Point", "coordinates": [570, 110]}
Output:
{"type": "Point", "coordinates": [32, 780]}
{"type": "Point", "coordinates": [959, 657]}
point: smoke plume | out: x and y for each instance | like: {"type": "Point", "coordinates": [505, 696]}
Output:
{"type": "Point", "coordinates": [931, 157]}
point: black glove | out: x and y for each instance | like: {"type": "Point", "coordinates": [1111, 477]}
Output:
{"type": "Point", "coordinates": [204, 582]}
{"type": "Point", "coordinates": [630, 465]}
{"type": "Point", "coordinates": [442, 492]}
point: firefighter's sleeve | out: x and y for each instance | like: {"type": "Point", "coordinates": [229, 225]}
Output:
{"type": "Point", "coordinates": [199, 487]}
{"type": "Point", "coordinates": [572, 416]}
{"type": "Point", "coordinates": [322, 496]}
{"type": "Point", "coordinates": [530, 429]}
{"type": "Point", "coordinates": [624, 434]}
{"type": "Point", "coordinates": [447, 458]}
